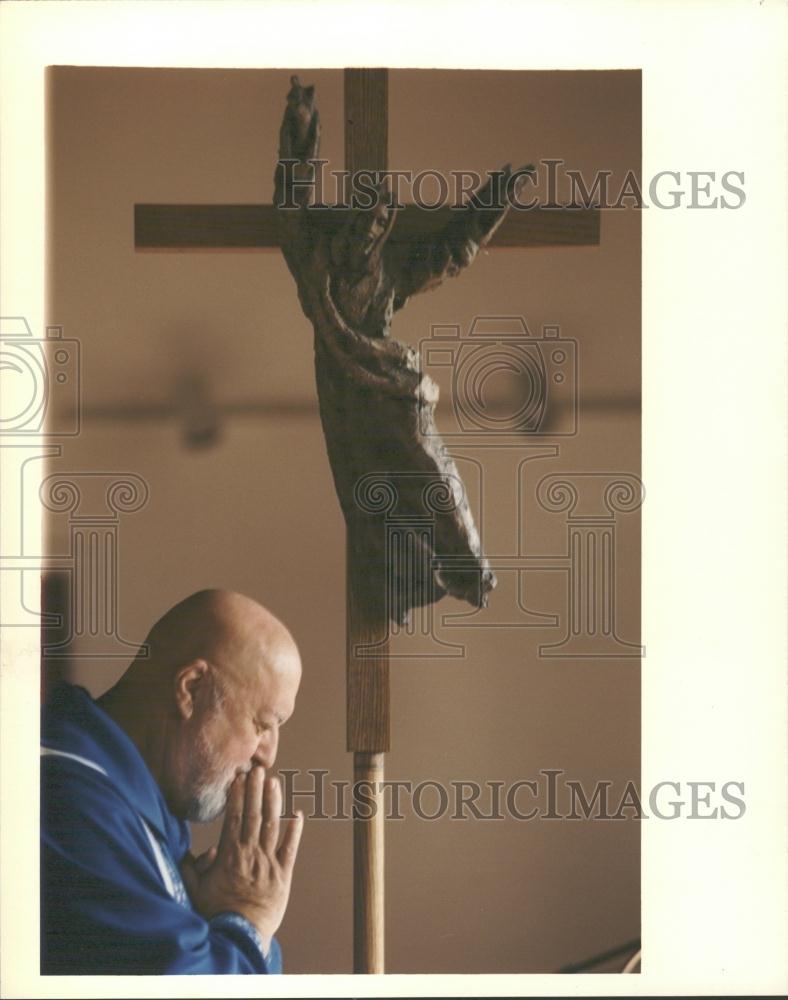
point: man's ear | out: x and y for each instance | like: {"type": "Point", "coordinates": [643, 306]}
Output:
{"type": "Point", "coordinates": [191, 684]}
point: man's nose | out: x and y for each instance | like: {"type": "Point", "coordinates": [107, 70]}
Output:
{"type": "Point", "coordinates": [265, 754]}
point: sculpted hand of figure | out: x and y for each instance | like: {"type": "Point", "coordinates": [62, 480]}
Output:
{"type": "Point", "coordinates": [248, 873]}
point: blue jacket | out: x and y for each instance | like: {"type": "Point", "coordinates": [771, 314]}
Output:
{"type": "Point", "coordinates": [112, 899]}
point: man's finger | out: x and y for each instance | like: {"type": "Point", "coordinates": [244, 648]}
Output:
{"type": "Point", "coordinates": [233, 817]}
{"type": "Point", "coordinates": [288, 849]}
{"type": "Point", "coordinates": [272, 810]}
{"type": "Point", "coordinates": [204, 862]}
{"type": "Point", "coordinates": [253, 806]}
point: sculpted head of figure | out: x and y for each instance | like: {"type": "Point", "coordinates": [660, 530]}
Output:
{"type": "Point", "coordinates": [358, 245]}
{"type": "Point", "coordinates": [370, 227]}
{"type": "Point", "coordinates": [230, 673]}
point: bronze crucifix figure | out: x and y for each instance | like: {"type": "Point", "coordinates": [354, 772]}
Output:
{"type": "Point", "coordinates": [353, 272]}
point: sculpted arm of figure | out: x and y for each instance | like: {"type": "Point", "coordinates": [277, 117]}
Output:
{"type": "Point", "coordinates": [424, 264]}
{"type": "Point", "coordinates": [248, 873]}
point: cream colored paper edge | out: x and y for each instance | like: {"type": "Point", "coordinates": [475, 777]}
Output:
{"type": "Point", "coordinates": [714, 311]}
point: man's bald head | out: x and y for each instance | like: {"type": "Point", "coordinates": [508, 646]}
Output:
{"type": "Point", "coordinates": [234, 633]}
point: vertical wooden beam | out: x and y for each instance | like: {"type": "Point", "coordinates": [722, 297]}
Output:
{"type": "Point", "coordinates": [368, 868]}
{"type": "Point", "coordinates": [366, 148]}
{"type": "Point", "coordinates": [368, 729]}
{"type": "Point", "coordinates": [368, 732]}
{"type": "Point", "coordinates": [366, 119]}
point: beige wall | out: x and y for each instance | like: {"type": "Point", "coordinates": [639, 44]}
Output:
{"type": "Point", "coordinates": [258, 513]}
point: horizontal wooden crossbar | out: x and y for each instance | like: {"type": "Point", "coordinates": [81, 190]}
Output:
{"type": "Point", "coordinates": [254, 228]}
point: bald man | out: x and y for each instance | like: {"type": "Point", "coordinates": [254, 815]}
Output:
{"type": "Point", "coordinates": [191, 729]}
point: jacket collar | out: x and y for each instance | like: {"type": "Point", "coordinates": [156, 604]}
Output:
{"type": "Point", "coordinates": [73, 723]}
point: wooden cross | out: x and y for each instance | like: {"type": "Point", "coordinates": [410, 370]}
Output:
{"type": "Point", "coordinates": [180, 228]}
{"type": "Point", "coordinates": [254, 228]}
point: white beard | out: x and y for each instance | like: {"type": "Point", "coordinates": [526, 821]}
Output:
{"type": "Point", "coordinates": [208, 802]}
{"type": "Point", "coordinates": [210, 780]}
